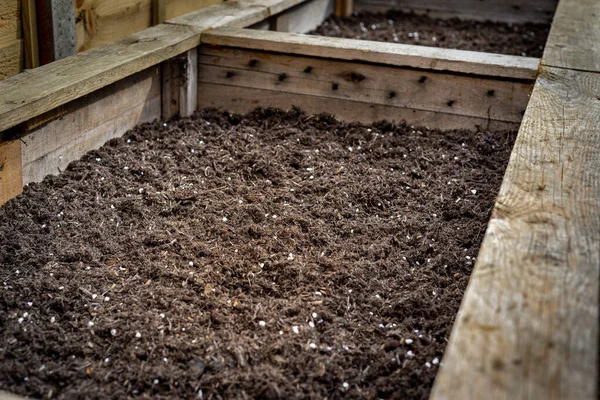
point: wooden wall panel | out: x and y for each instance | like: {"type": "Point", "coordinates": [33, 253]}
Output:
{"type": "Point", "coordinates": [11, 44]}
{"type": "Point", "coordinates": [175, 8]}
{"type": "Point", "coordinates": [90, 122]}
{"type": "Point", "coordinates": [11, 58]}
{"type": "Point", "coordinates": [11, 181]}
{"type": "Point", "coordinates": [103, 21]}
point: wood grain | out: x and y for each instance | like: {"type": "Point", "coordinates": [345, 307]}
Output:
{"type": "Point", "coordinates": [495, 10]}
{"type": "Point", "coordinates": [399, 55]}
{"type": "Point", "coordinates": [90, 122]}
{"type": "Point", "coordinates": [176, 8]}
{"type": "Point", "coordinates": [30, 35]}
{"type": "Point", "coordinates": [11, 177]}
{"type": "Point", "coordinates": [234, 14]}
{"type": "Point", "coordinates": [465, 95]}
{"type": "Point", "coordinates": [344, 8]}
{"type": "Point", "coordinates": [180, 85]}
{"type": "Point", "coordinates": [11, 59]}
{"type": "Point", "coordinates": [104, 21]}
{"type": "Point", "coordinates": [528, 324]}
{"type": "Point", "coordinates": [34, 92]}
{"type": "Point", "coordinates": [241, 100]}
{"type": "Point", "coordinates": [10, 21]}
{"type": "Point", "coordinates": [574, 40]}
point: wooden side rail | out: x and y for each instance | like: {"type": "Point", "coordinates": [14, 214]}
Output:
{"type": "Point", "coordinates": [357, 80]}
{"type": "Point", "coordinates": [528, 324]}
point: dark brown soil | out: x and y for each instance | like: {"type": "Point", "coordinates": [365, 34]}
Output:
{"type": "Point", "coordinates": [525, 39]}
{"type": "Point", "coordinates": [271, 255]}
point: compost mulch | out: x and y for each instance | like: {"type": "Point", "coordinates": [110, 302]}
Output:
{"type": "Point", "coordinates": [271, 255]}
{"type": "Point", "coordinates": [524, 39]}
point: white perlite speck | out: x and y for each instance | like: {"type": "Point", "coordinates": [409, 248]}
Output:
{"type": "Point", "coordinates": [138, 335]}
{"type": "Point", "coordinates": [312, 346]}
{"type": "Point", "coordinates": [435, 361]}
{"type": "Point", "coordinates": [346, 385]}
{"type": "Point", "coordinates": [262, 323]}
{"type": "Point", "coordinates": [113, 332]}
{"type": "Point", "coordinates": [295, 329]}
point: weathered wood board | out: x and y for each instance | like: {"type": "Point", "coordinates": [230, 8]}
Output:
{"type": "Point", "coordinates": [89, 122]}
{"type": "Point", "coordinates": [11, 58]}
{"type": "Point", "coordinates": [495, 10]}
{"type": "Point", "coordinates": [180, 85]}
{"type": "Point", "coordinates": [468, 96]}
{"type": "Point", "coordinates": [398, 55]}
{"type": "Point", "coordinates": [237, 99]}
{"type": "Point", "coordinates": [574, 40]}
{"type": "Point", "coordinates": [528, 324]}
{"type": "Point", "coordinates": [11, 44]}
{"type": "Point", "coordinates": [10, 21]}
{"type": "Point", "coordinates": [37, 91]}
{"type": "Point", "coordinates": [176, 8]}
{"type": "Point", "coordinates": [234, 14]}
{"type": "Point", "coordinates": [103, 21]}
{"type": "Point", "coordinates": [11, 182]}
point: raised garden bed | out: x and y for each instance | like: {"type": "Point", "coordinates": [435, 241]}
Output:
{"type": "Point", "coordinates": [528, 323]}
{"type": "Point", "coordinates": [276, 255]}
{"type": "Point", "coordinates": [523, 39]}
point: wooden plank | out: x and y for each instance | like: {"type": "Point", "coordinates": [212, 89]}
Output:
{"type": "Point", "coordinates": [35, 92]}
{"type": "Point", "coordinates": [528, 324]}
{"type": "Point", "coordinates": [56, 24]}
{"type": "Point", "coordinates": [180, 85]}
{"type": "Point", "coordinates": [495, 10]}
{"type": "Point", "coordinates": [11, 59]}
{"type": "Point", "coordinates": [90, 122]}
{"type": "Point", "coordinates": [400, 55]}
{"type": "Point", "coordinates": [471, 96]}
{"type": "Point", "coordinates": [10, 396]}
{"type": "Point", "coordinates": [176, 8]}
{"type": "Point", "coordinates": [11, 177]}
{"type": "Point", "coordinates": [104, 21]}
{"type": "Point", "coordinates": [234, 14]}
{"type": "Point", "coordinates": [159, 11]}
{"type": "Point", "coordinates": [10, 21]}
{"type": "Point", "coordinates": [574, 40]}
{"type": "Point", "coordinates": [344, 8]}
{"type": "Point", "coordinates": [241, 100]}
{"type": "Point", "coordinates": [30, 34]}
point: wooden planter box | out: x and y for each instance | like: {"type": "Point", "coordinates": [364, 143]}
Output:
{"type": "Point", "coordinates": [528, 324]}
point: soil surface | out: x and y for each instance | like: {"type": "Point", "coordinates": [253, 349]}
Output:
{"type": "Point", "coordinates": [525, 39]}
{"type": "Point", "coordinates": [272, 255]}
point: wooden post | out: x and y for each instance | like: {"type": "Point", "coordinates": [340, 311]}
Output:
{"type": "Point", "coordinates": [344, 8]}
{"type": "Point", "coordinates": [179, 85]}
{"type": "Point", "coordinates": [56, 24]}
{"type": "Point", "coordinates": [159, 11]}
{"type": "Point", "coordinates": [30, 34]}
{"type": "Point", "coordinates": [11, 170]}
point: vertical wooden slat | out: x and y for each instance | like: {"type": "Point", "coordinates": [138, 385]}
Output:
{"type": "Point", "coordinates": [56, 25]}
{"type": "Point", "coordinates": [30, 33]}
{"type": "Point", "coordinates": [11, 170]}
{"type": "Point", "coordinates": [159, 11]}
{"type": "Point", "coordinates": [344, 8]}
{"type": "Point", "coordinates": [180, 85]}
